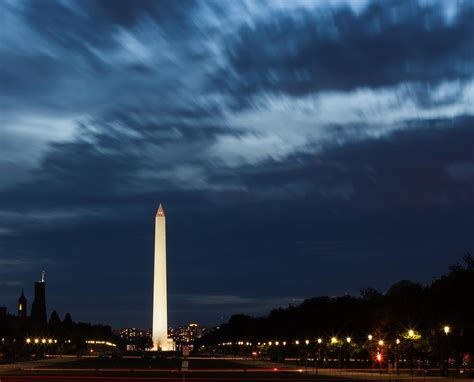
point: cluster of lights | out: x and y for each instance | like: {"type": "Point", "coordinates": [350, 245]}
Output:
{"type": "Point", "coordinates": [94, 342]}
{"type": "Point", "coordinates": [412, 334]}
{"type": "Point", "coordinates": [41, 340]}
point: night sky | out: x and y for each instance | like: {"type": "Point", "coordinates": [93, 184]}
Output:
{"type": "Point", "coordinates": [300, 148]}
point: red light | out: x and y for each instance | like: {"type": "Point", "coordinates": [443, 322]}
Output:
{"type": "Point", "coordinates": [254, 353]}
{"type": "Point", "coordinates": [379, 357]}
{"type": "Point", "coordinates": [275, 369]}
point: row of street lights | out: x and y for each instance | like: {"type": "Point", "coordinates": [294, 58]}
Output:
{"type": "Point", "coordinates": [43, 341]}
{"type": "Point", "coordinates": [411, 334]}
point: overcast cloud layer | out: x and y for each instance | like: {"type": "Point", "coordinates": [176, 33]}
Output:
{"type": "Point", "coordinates": [300, 148]}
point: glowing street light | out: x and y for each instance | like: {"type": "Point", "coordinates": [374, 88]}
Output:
{"type": "Point", "coordinates": [36, 340]}
{"type": "Point", "coordinates": [307, 342]}
{"type": "Point", "coordinates": [43, 341]}
{"type": "Point", "coordinates": [333, 340]}
{"type": "Point", "coordinates": [370, 337]}
{"type": "Point", "coordinates": [348, 339]}
{"type": "Point", "coordinates": [320, 341]}
{"type": "Point", "coordinates": [28, 340]}
{"type": "Point", "coordinates": [447, 329]}
{"type": "Point", "coordinates": [297, 342]}
{"type": "Point", "coordinates": [411, 333]}
{"type": "Point", "coordinates": [381, 342]}
{"type": "Point", "coordinates": [397, 341]}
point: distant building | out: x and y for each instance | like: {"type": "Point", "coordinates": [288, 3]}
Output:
{"type": "Point", "coordinates": [131, 333]}
{"type": "Point", "coordinates": [186, 335]}
{"type": "Point", "coordinates": [38, 308]}
{"type": "Point", "coordinates": [22, 306]}
{"type": "Point", "coordinates": [136, 339]}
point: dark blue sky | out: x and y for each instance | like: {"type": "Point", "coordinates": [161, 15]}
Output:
{"type": "Point", "coordinates": [300, 148]}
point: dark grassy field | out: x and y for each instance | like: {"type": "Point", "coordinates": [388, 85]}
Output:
{"type": "Point", "coordinates": [148, 369]}
{"type": "Point", "coordinates": [148, 363]}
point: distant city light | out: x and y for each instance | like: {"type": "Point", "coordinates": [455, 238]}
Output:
{"type": "Point", "coordinates": [333, 340]}
{"type": "Point", "coordinates": [397, 341]}
{"type": "Point", "coordinates": [381, 342]}
{"type": "Point", "coordinates": [297, 342]}
{"type": "Point", "coordinates": [411, 333]}
{"type": "Point", "coordinates": [370, 337]}
{"type": "Point", "coordinates": [320, 340]}
{"type": "Point", "coordinates": [307, 342]}
{"type": "Point", "coordinates": [348, 339]}
{"type": "Point", "coordinates": [447, 329]}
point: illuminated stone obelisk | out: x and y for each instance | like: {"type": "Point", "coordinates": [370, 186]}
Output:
{"type": "Point", "coordinates": [160, 307]}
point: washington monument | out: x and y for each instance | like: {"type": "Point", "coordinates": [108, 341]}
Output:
{"type": "Point", "coordinates": [160, 307]}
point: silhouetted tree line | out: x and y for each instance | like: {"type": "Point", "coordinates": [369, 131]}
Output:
{"type": "Point", "coordinates": [23, 338]}
{"type": "Point", "coordinates": [447, 301]}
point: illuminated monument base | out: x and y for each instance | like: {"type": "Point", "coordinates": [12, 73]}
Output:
{"type": "Point", "coordinates": [160, 308]}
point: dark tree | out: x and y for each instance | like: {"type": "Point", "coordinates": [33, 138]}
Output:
{"type": "Point", "coordinates": [67, 322]}
{"type": "Point", "coordinates": [54, 319]}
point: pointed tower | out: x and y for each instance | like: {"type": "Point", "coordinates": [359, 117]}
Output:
{"type": "Point", "coordinates": [22, 312]}
{"type": "Point", "coordinates": [160, 307]}
{"type": "Point", "coordinates": [38, 308]}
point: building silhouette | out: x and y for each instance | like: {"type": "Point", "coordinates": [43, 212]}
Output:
{"type": "Point", "coordinates": [38, 308]}
{"type": "Point", "coordinates": [22, 305]}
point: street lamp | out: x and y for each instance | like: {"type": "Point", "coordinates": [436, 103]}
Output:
{"type": "Point", "coordinates": [320, 340]}
{"type": "Point", "coordinates": [411, 335]}
{"type": "Point", "coordinates": [333, 340]}
{"type": "Point", "coordinates": [381, 342]}
{"type": "Point", "coordinates": [348, 339]}
{"type": "Point", "coordinates": [370, 337]}
{"type": "Point", "coordinates": [446, 330]}
{"type": "Point", "coordinates": [397, 341]}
